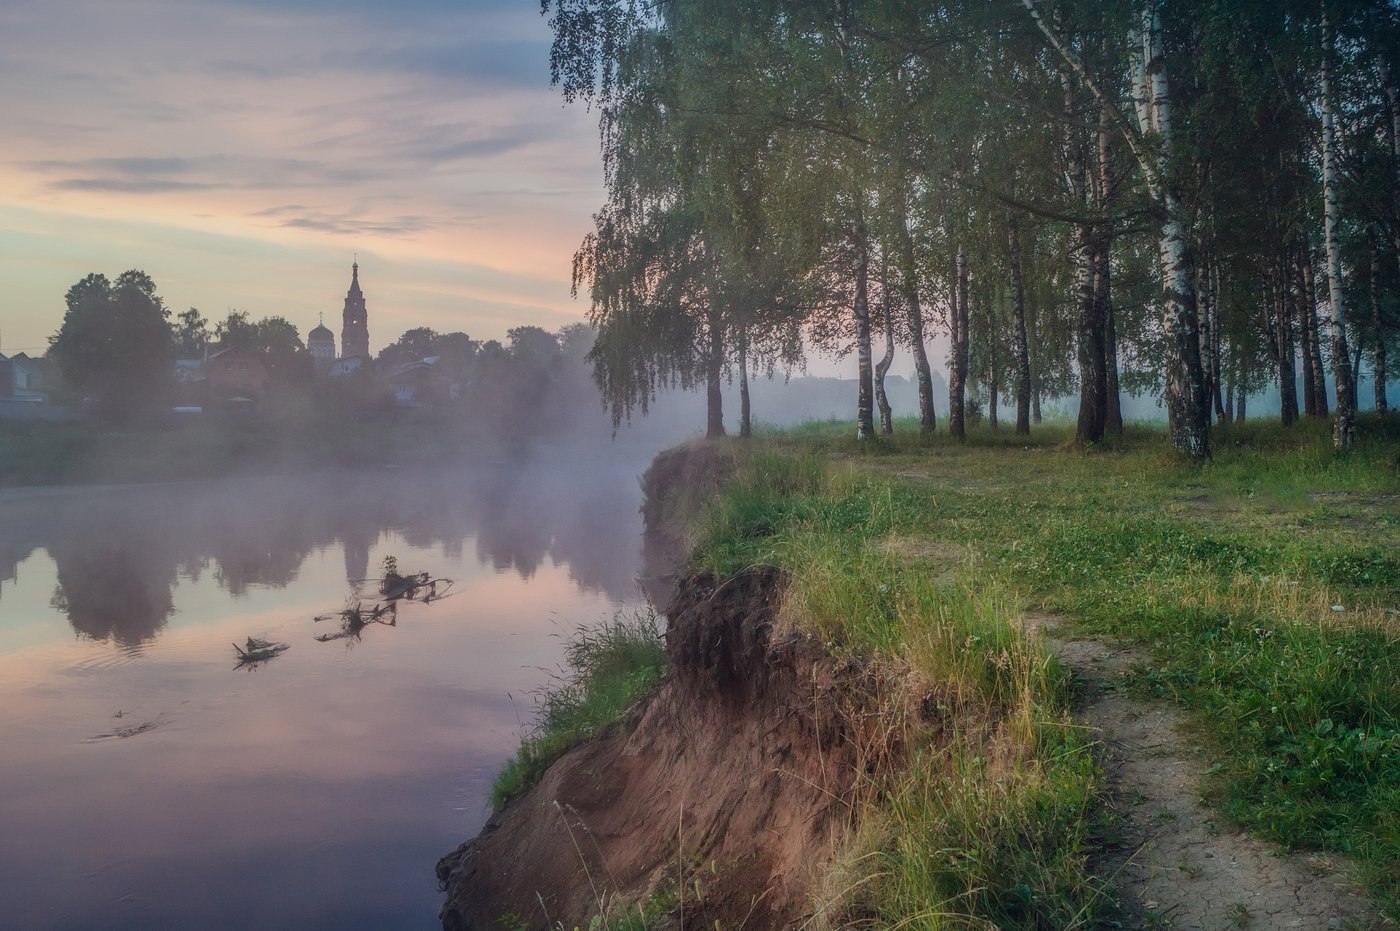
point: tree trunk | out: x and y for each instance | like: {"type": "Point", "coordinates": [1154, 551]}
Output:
{"type": "Point", "coordinates": [957, 370]}
{"type": "Point", "coordinates": [993, 381]}
{"type": "Point", "coordinates": [883, 366]}
{"type": "Point", "coordinates": [1392, 96]}
{"type": "Point", "coordinates": [1307, 338]}
{"type": "Point", "coordinates": [1093, 389]}
{"type": "Point", "coordinates": [745, 411]}
{"type": "Point", "coordinates": [865, 407]}
{"type": "Point", "coordinates": [1205, 312]}
{"type": "Point", "coordinates": [1356, 370]}
{"type": "Point", "coordinates": [1113, 422]}
{"type": "Point", "coordinates": [1188, 425]}
{"type": "Point", "coordinates": [1103, 281]}
{"type": "Point", "coordinates": [1216, 339]}
{"type": "Point", "coordinates": [1035, 406]}
{"type": "Point", "coordinates": [1187, 419]}
{"type": "Point", "coordinates": [1022, 348]}
{"type": "Point", "coordinates": [1310, 318]}
{"type": "Point", "coordinates": [714, 368]}
{"type": "Point", "coordinates": [1230, 400]}
{"type": "Point", "coordinates": [908, 278]}
{"type": "Point", "coordinates": [1344, 427]}
{"type": "Point", "coordinates": [1378, 353]}
{"type": "Point", "coordinates": [1287, 375]}
{"type": "Point", "coordinates": [1239, 410]}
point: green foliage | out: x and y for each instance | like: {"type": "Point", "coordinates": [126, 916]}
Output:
{"type": "Point", "coordinates": [115, 346]}
{"type": "Point", "coordinates": [607, 667]}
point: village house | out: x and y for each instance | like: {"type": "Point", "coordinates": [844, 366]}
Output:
{"type": "Point", "coordinates": [25, 386]}
{"type": "Point", "coordinates": [235, 376]}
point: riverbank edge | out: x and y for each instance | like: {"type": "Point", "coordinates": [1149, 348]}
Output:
{"type": "Point", "coordinates": [749, 736]}
{"type": "Point", "coordinates": [771, 769]}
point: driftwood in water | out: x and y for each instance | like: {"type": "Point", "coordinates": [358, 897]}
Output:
{"type": "Point", "coordinates": [258, 651]}
{"type": "Point", "coordinates": [394, 588]}
{"type": "Point", "coordinates": [419, 587]}
{"type": "Point", "coordinates": [353, 620]}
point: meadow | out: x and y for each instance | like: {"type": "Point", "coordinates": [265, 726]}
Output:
{"type": "Point", "coordinates": [1262, 589]}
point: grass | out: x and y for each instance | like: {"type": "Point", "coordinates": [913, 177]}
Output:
{"type": "Point", "coordinates": [607, 667]}
{"type": "Point", "coordinates": [1263, 584]}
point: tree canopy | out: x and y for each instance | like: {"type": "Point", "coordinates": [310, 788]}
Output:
{"type": "Point", "coordinates": [1190, 199]}
{"type": "Point", "coordinates": [115, 345]}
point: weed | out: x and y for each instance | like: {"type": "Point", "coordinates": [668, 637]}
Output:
{"type": "Point", "coordinates": [607, 667]}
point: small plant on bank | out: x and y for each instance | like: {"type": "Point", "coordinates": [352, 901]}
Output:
{"type": "Point", "coordinates": [607, 667]}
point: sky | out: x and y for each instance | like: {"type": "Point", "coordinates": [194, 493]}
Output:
{"type": "Point", "coordinates": [244, 152]}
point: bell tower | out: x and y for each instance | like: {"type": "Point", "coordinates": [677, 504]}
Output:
{"type": "Point", "coordinates": [354, 328]}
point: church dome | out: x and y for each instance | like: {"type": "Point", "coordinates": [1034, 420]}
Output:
{"type": "Point", "coordinates": [321, 332]}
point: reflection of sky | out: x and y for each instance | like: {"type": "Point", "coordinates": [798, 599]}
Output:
{"type": "Point", "coordinates": [315, 791]}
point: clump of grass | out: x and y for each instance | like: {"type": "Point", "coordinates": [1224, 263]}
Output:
{"type": "Point", "coordinates": [990, 839]}
{"type": "Point", "coordinates": [606, 668]}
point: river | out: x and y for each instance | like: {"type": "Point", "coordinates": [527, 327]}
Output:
{"type": "Point", "coordinates": [146, 782]}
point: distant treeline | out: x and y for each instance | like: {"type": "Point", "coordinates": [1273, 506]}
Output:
{"type": "Point", "coordinates": [1192, 200]}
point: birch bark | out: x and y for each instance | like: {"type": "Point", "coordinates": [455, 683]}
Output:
{"type": "Point", "coordinates": [865, 408]}
{"type": "Point", "coordinates": [909, 283]}
{"type": "Point", "coordinates": [1378, 359]}
{"type": "Point", "coordinates": [1018, 316]}
{"type": "Point", "coordinates": [714, 368]}
{"type": "Point", "coordinates": [1150, 142]}
{"type": "Point", "coordinates": [957, 369]}
{"type": "Point", "coordinates": [1344, 426]}
{"type": "Point", "coordinates": [745, 410]}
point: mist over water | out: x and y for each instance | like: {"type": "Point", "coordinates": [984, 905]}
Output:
{"type": "Point", "coordinates": [149, 784]}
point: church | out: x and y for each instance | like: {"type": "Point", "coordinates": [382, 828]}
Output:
{"type": "Point", "coordinates": [354, 334]}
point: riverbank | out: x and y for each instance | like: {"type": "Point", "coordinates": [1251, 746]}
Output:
{"type": "Point", "coordinates": [1257, 593]}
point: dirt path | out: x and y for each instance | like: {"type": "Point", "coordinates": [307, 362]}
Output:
{"type": "Point", "coordinates": [1173, 865]}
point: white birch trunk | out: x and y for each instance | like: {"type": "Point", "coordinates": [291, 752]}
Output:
{"type": "Point", "coordinates": [1344, 427]}
{"type": "Point", "coordinates": [1188, 423]}
{"type": "Point", "coordinates": [1150, 143]}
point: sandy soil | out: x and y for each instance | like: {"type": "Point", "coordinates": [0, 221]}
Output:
{"type": "Point", "coordinates": [732, 782]}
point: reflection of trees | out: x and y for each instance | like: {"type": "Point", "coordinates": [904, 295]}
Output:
{"type": "Point", "coordinates": [120, 557]}
{"type": "Point", "coordinates": [114, 582]}
{"type": "Point", "coordinates": [17, 537]}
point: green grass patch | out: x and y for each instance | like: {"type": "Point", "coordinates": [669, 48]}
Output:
{"type": "Point", "coordinates": [1264, 585]}
{"type": "Point", "coordinates": [607, 667]}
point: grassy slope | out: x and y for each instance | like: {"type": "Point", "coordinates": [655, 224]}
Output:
{"type": "Point", "coordinates": [926, 552]}
{"type": "Point", "coordinates": [607, 667]}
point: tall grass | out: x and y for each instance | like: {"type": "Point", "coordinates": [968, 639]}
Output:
{"type": "Point", "coordinates": [606, 668]}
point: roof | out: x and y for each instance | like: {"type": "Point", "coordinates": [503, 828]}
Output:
{"type": "Point", "coordinates": [321, 332]}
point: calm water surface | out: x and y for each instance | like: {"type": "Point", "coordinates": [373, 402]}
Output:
{"type": "Point", "coordinates": [147, 783]}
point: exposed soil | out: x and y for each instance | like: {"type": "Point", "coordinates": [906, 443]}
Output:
{"type": "Point", "coordinates": [731, 783]}
{"type": "Point", "coordinates": [677, 486]}
{"type": "Point", "coordinates": [1173, 865]}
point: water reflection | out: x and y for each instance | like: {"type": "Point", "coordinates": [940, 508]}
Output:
{"type": "Point", "coordinates": [120, 553]}
{"type": "Point", "coordinates": [153, 787]}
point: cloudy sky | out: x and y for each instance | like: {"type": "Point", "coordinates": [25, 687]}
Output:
{"type": "Point", "coordinates": [241, 151]}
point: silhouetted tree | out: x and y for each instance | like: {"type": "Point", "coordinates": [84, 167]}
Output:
{"type": "Point", "coordinates": [115, 345]}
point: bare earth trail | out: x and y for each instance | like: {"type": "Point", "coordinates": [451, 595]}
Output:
{"type": "Point", "coordinates": [1173, 866]}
